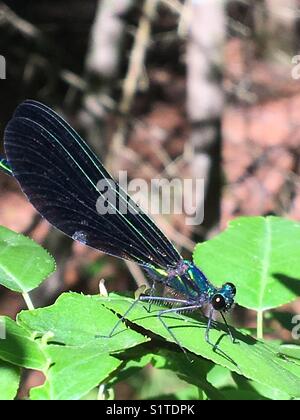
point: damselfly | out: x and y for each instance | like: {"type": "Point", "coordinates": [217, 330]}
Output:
{"type": "Point", "coordinates": [61, 177]}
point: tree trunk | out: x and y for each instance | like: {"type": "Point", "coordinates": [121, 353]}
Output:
{"type": "Point", "coordinates": [206, 99]}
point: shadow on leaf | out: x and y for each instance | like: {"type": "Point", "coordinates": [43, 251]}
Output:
{"type": "Point", "coordinates": [291, 283]}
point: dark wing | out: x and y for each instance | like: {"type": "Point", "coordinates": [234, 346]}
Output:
{"type": "Point", "coordinates": [59, 174]}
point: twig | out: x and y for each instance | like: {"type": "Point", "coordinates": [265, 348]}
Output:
{"type": "Point", "coordinates": [137, 274]}
{"type": "Point", "coordinates": [33, 225]}
{"type": "Point", "coordinates": [173, 5]}
{"type": "Point", "coordinates": [175, 235]}
{"type": "Point", "coordinates": [73, 80]}
{"type": "Point", "coordinates": [26, 28]}
{"type": "Point", "coordinates": [137, 56]}
{"type": "Point", "coordinates": [135, 69]}
{"type": "Point", "coordinates": [185, 19]}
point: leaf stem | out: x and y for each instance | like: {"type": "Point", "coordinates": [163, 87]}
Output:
{"type": "Point", "coordinates": [101, 393]}
{"type": "Point", "coordinates": [260, 325]}
{"type": "Point", "coordinates": [28, 301]}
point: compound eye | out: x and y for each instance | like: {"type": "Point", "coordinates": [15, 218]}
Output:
{"type": "Point", "coordinates": [218, 302]}
{"type": "Point", "coordinates": [232, 287]}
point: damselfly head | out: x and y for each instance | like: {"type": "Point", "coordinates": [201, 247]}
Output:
{"type": "Point", "coordinates": [229, 289]}
{"type": "Point", "coordinates": [224, 298]}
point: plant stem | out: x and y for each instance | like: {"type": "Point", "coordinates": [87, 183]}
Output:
{"type": "Point", "coordinates": [260, 325]}
{"type": "Point", "coordinates": [101, 393]}
{"type": "Point", "coordinates": [28, 301]}
{"type": "Point", "coordinates": [136, 66]}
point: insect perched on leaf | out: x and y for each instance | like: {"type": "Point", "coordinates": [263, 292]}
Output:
{"type": "Point", "coordinates": [61, 177]}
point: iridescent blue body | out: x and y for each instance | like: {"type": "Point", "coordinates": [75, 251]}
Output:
{"type": "Point", "coordinates": [189, 281]}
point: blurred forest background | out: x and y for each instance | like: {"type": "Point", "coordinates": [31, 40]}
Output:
{"type": "Point", "coordinates": [159, 88]}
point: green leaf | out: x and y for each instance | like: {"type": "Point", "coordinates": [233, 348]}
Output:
{"type": "Point", "coordinates": [233, 394]}
{"type": "Point", "coordinates": [176, 362]}
{"type": "Point", "coordinates": [220, 377]}
{"type": "Point", "coordinates": [23, 263]}
{"type": "Point", "coordinates": [74, 371]}
{"type": "Point", "coordinates": [262, 391]}
{"type": "Point", "coordinates": [253, 359]}
{"type": "Point", "coordinates": [9, 381]}
{"type": "Point", "coordinates": [290, 350]}
{"type": "Point", "coordinates": [77, 320]}
{"type": "Point", "coordinates": [81, 325]}
{"type": "Point", "coordinates": [190, 393]}
{"type": "Point", "coordinates": [17, 346]}
{"type": "Point", "coordinates": [237, 387]}
{"type": "Point", "coordinates": [163, 385]}
{"type": "Point", "coordinates": [261, 255]}
{"type": "Point", "coordinates": [291, 365]}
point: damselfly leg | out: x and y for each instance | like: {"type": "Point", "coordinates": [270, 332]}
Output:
{"type": "Point", "coordinates": [228, 329]}
{"type": "Point", "coordinates": [215, 346]}
{"type": "Point", "coordinates": [121, 320]}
